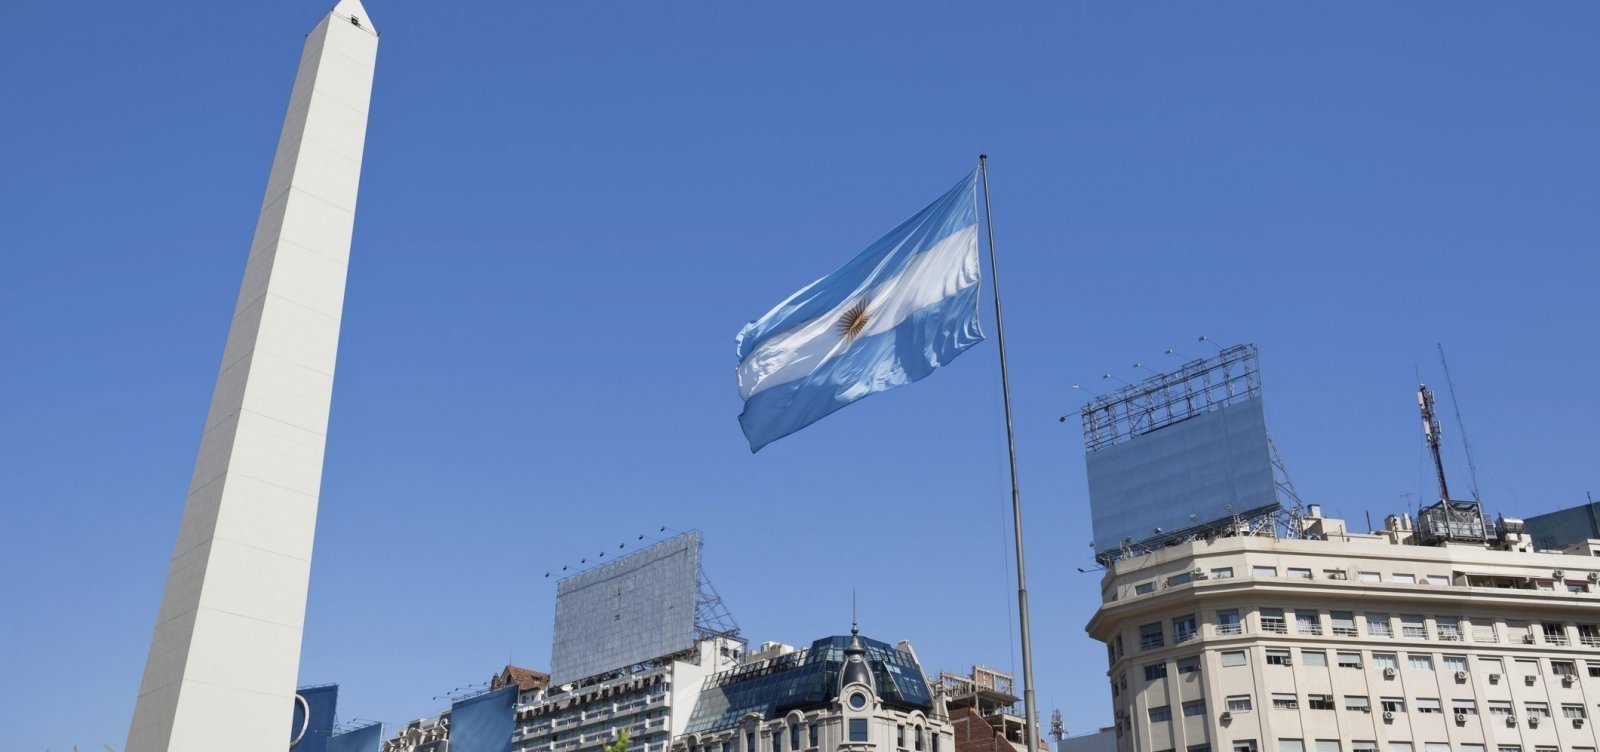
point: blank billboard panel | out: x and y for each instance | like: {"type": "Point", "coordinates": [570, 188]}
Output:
{"type": "Point", "coordinates": [1195, 472]}
{"type": "Point", "coordinates": [629, 611]}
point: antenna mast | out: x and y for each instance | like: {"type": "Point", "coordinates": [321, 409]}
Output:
{"type": "Point", "coordinates": [1472, 467]}
{"type": "Point", "coordinates": [1430, 431]}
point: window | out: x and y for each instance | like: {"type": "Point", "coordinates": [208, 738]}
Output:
{"type": "Point", "coordinates": [1285, 701]}
{"type": "Point", "coordinates": [1344, 623]}
{"type": "Point", "coordinates": [1436, 579]}
{"type": "Point", "coordinates": [777, 739]}
{"type": "Point", "coordinates": [1449, 628]}
{"type": "Point", "coordinates": [1189, 665]}
{"type": "Point", "coordinates": [1233, 658]}
{"type": "Point", "coordinates": [1413, 627]}
{"type": "Point", "coordinates": [1429, 705]}
{"type": "Point", "coordinates": [794, 738]}
{"type": "Point", "coordinates": [1527, 667]}
{"type": "Point", "coordinates": [1357, 702]}
{"type": "Point", "coordinates": [1183, 629]}
{"type": "Point", "coordinates": [1207, 748]}
{"type": "Point", "coordinates": [1278, 658]}
{"type": "Point", "coordinates": [1228, 622]}
{"type": "Point", "coordinates": [1437, 747]}
{"type": "Point", "coordinates": [935, 739]}
{"type": "Point", "coordinates": [1594, 669]}
{"type": "Point", "coordinates": [1378, 626]}
{"type": "Point", "coordinates": [1150, 636]}
{"type": "Point", "coordinates": [1382, 661]}
{"type": "Point", "coordinates": [1419, 662]}
{"type": "Point", "coordinates": [1307, 623]}
{"type": "Point", "coordinates": [1455, 663]}
{"type": "Point", "coordinates": [1517, 631]}
{"type": "Point", "coordinates": [1399, 746]}
{"type": "Point", "coordinates": [1491, 666]}
{"type": "Point", "coordinates": [1364, 745]}
{"type": "Point", "coordinates": [1144, 588]}
{"type": "Point", "coordinates": [1239, 703]}
{"type": "Point", "coordinates": [1499, 707]}
{"type": "Point", "coordinates": [1408, 579]}
{"type": "Point", "coordinates": [1180, 579]}
{"type": "Point", "coordinates": [811, 732]}
{"type": "Point", "coordinates": [1263, 571]}
{"type": "Point", "coordinates": [1589, 635]}
{"type": "Point", "coordinates": [1161, 713]}
{"type": "Point", "coordinates": [1369, 577]}
{"type": "Point", "coordinates": [1537, 709]}
{"type": "Point", "coordinates": [1472, 748]}
{"type": "Point", "coordinates": [1349, 660]}
{"type": "Point", "coordinates": [1299, 573]}
{"type": "Point", "coordinates": [1464, 707]}
{"type": "Point", "coordinates": [1222, 573]}
{"type": "Point", "coordinates": [1554, 634]}
{"type": "Point", "coordinates": [1509, 748]}
{"type": "Point", "coordinates": [1291, 745]}
{"type": "Point", "coordinates": [1336, 574]}
{"type": "Point", "coordinates": [1319, 702]}
{"type": "Point", "coordinates": [1155, 671]}
{"type": "Point", "coordinates": [1572, 711]}
{"type": "Point", "coordinates": [1194, 708]}
{"type": "Point", "coordinates": [900, 736]}
{"type": "Point", "coordinates": [916, 738]}
{"type": "Point", "coordinates": [1483, 630]}
{"type": "Point", "coordinates": [1393, 704]}
{"type": "Point", "coordinates": [1244, 745]}
{"type": "Point", "coordinates": [858, 729]}
{"type": "Point", "coordinates": [1314, 658]}
{"type": "Point", "coordinates": [1563, 668]}
{"type": "Point", "coordinates": [1272, 621]}
{"type": "Point", "coordinates": [750, 742]}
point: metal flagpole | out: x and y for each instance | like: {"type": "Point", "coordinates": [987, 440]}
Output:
{"type": "Point", "coordinates": [1031, 721]}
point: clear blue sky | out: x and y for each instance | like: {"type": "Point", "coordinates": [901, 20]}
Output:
{"type": "Point", "coordinates": [568, 210]}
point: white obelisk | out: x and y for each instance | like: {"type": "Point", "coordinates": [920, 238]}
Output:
{"type": "Point", "coordinates": [222, 667]}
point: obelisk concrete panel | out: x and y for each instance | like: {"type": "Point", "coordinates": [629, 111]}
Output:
{"type": "Point", "coordinates": [225, 655]}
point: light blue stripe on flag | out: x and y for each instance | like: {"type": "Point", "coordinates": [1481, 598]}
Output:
{"type": "Point", "coordinates": [903, 307]}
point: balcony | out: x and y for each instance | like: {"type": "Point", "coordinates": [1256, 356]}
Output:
{"type": "Point", "coordinates": [1233, 628]}
{"type": "Point", "coordinates": [1346, 632]}
{"type": "Point", "coordinates": [1274, 626]}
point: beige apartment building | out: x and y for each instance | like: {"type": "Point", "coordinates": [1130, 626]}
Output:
{"type": "Point", "coordinates": [1352, 642]}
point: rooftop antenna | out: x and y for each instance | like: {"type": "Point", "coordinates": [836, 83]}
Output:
{"type": "Point", "coordinates": [1430, 431]}
{"type": "Point", "coordinates": [1058, 728]}
{"type": "Point", "coordinates": [1472, 467]}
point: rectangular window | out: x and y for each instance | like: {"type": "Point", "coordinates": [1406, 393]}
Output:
{"type": "Point", "coordinates": [1207, 748]}
{"type": "Point", "coordinates": [794, 738]}
{"type": "Point", "coordinates": [1239, 703]}
{"type": "Point", "coordinates": [1594, 669]}
{"type": "Point", "coordinates": [1336, 574]}
{"type": "Point", "coordinates": [1344, 623]}
{"type": "Point", "coordinates": [1499, 707]}
{"type": "Point", "coordinates": [900, 736]}
{"type": "Point", "coordinates": [1378, 626]}
{"type": "Point", "coordinates": [1150, 636]}
{"type": "Point", "coordinates": [1408, 579]}
{"type": "Point", "coordinates": [858, 729]}
{"type": "Point", "coordinates": [1572, 711]}
{"type": "Point", "coordinates": [1314, 658]}
{"type": "Point", "coordinates": [777, 739]}
{"type": "Point", "coordinates": [1194, 708]}
{"type": "Point", "coordinates": [1272, 621]}
{"type": "Point", "coordinates": [1307, 623]}
{"type": "Point", "coordinates": [1180, 579]}
{"type": "Point", "coordinates": [916, 738]}
{"type": "Point", "coordinates": [750, 742]}
{"type": "Point", "coordinates": [1399, 746]}
{"type": "Point", "coordinates": [1413, 627]}
{"type": "Point", "coordinates": [1155, 671]}
{"type": "Point", "coordinates": [1563, 668]}
{"type": "Point", "coordinates": [1349, 660]}
{"type": "Point", "coordinates": [1222, 573]}
{"type": "Point", "coordinates": [1244, 745]}
{"type": "Point", "coordinates": [935, 740]}
{"type": "Point", "coordinates": [1527, 667]}
{"type": "Point", "coordinates": [1537, 709]}
{"type": "Point", "coordinates": [1554, 634]}
{"type": "Point", "coordinates": [1382, 661]}
{"type": "Point", "coordinates": [1291, 745]}
{"type": "Point", "coordinates": [1436, 579]}
{"type": "Point", "coordinates": [1144, 588]}
{"type": "Point", "coordinates": [1357, 702]}
{"type": "Point", "coordinates": [1455, 663]}
{"type": "Point", "coordinates": [1228, 622]}
{"type": "Point", "coordinates": [1189, 665]}
{"type": "Point", "coordinates": [1183, 629]}
{"type": "Point", "coordinates": [1161, 713]}
{"type": "Point", "coordinates": [1263, 571]}
{"type": "Point", "coordinates": [1233, 658]}
{"type": "Point", "coordinates": [1429, 705]}
{"type": "Point", "coordinates": [811, 732]}
{"type": "Point", "coordinates": [1449, 628]}
{"type": "Point", "coordinates": [1285, 701]}
{"type": "Point", "coordinates": [1278, 658]}
{"type": "Point", "coordinates": [1472, 748]}
{"type": "Point", "coordinates": [1419, 662]}
{"type": "Point", "coordinates": [1364, 745]}
{"type": "Point", "coordinates": [1299, 573]}
{"type": "Point", "coordinates": [1483, 630]}
{"type": "Point", "coordinates": [1436, 747]}
{"type": "Point", "coordinates": [1509, 748]}
{"type": "Point", "coordinates": [1491, 666]}
{"type": "Point", "coordinates": [1393, 704]}
{"type": "Point", "coordinates": [1464, 707]}
{"type": "Point", "coordinates": [1589, 635]}
{"type": "Point", "coordinates": [1370, 577]}
{"type": "Point", "coordinates": [1319, 702]}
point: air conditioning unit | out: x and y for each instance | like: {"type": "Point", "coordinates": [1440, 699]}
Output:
{"type": "Point", "coordinates": [1388, 715]}
{"type": "Point", "coordinates": [1367, 709]}
{"type": "Point", "coordinates": [1568, 679]}
{"type": "Point", "coordinates": [1197, 573]}
{"type": "Point", "coordinates": [1227, 715]}
{"type": "Point", "coordinates": [1577, 723]}
{"type": "Point", "coordinates": [1527, 639]}
{"type": "Point", "coordinates": [1390, 673]}
{"type": "Point", "coordinates": [1533, 721]}
{"type": "Point", "coordinates": [1288, 662]}
{"type": "Point", "coordinates": [1558, 575]}
{"type": "Point", "coordinates": [1511, 720]}
{"type": "Point", "coordinates": [1461, 717]}
{"type": "Point", "coordinates": [1494, 678]}
{"type": "Point", "coordinates": [1530, 679]}
{"type": "Point", "coordinates": [1461, 676]}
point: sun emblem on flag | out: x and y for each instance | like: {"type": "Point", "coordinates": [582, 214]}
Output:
{"type": "Point", "coordinates": [854, 320]}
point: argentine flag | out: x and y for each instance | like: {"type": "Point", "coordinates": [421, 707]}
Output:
{"type": "Point", "coordinates": [905, 306]}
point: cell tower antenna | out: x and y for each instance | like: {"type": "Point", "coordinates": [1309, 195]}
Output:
{"type": "Point", "coordinates": [1430, 431]}
{"type": "Point", "coordinates": [1058, 728]}
{"type": "Point", "coordinates": [1472, 467]}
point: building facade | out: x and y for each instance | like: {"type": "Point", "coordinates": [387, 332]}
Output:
{"type": "Point", "coordinates": [1345, 642]}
